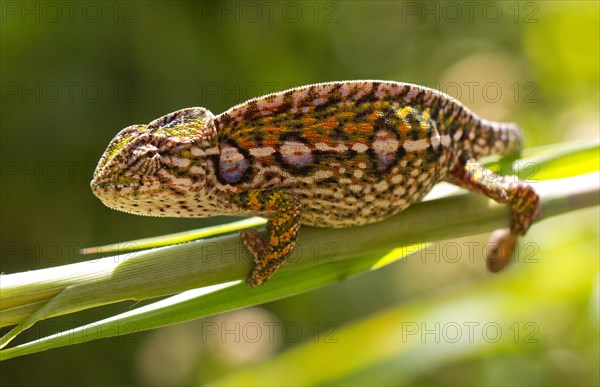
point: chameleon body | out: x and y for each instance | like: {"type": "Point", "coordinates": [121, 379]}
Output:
{"type": "Point", "coordinates": [331, 155]}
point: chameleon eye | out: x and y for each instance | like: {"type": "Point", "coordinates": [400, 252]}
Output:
{"type": "Point", "coordinates": [146, 160]}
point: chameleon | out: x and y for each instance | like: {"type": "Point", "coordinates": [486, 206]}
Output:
{"type": "Point", "coordinates": [334, 154]}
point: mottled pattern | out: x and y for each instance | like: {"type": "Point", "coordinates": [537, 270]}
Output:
{"type": "Point", "coordinates": [331, 155]}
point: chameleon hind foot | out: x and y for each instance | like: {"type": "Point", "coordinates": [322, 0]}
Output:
{"type": "Point", "coordinates": [521, 197]}
{"type": "Point", "coordinates": [283, 225]}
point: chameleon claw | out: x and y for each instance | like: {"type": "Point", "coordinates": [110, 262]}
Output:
{"type": "Point", "coordinates": [254, 242]}
{"type": "Point", "coordinates": [256, 245]}
{"type": "Point", "coordinates": [503, 243]}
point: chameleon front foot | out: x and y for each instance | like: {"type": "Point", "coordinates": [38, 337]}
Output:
{"type": "Point", "coordinates": [256, 245]}
{"type": "Point", "coordinates": [283, 225]}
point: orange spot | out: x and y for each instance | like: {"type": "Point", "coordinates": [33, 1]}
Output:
{"type": "Point", "coordinates": [308, 120]}
{"type": "Point", "coordinates": [276, 129]}
{"type": "Point", "coordinates": [346, 114]}
{"type": "Point", "coordinates": [331, 123]}
{"type": "Point", "coordinates": [311, 135]}
{"type": "Point", "coordinates": [350, 128]}
{"type": "Point", "coordinates": [375, 115]}
{"type": "Point", "coordinates": [365, 127]}
{"type": "Point", "coordinates": [273, 241]}
{"type": "Point", "coordinates": [247, 144]}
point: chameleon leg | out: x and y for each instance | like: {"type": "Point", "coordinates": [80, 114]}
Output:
{"type": "Point", "coordinates": [521, 197]}
{"type": "Point", "coordinates": [269, 254]}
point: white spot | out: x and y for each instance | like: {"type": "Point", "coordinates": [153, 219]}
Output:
{"type": "Point", "coordinates": [358, 173]}
{"type": "Point", "coordinates": [381, 186]}
{"type": "Point", "coordinates": [435, 140]}
{"type": "Point", "coordinates": [446, 140]}
{"type": "Point", "coordinates": [196, 170]}
{"type": "Point", "coordinates": [340, 147]}
{"type": "Point", "coordinates": [322, 191]}
{"type": "Point", "coordinates": [360, 147]}
{"type": "Point", "coordinates": [396, 179]}
{"type": "Point", "coordinates": [262, 152]}
{"type": "Point", "coordinates": [355, 188]}
{"type": "Point", "coordinates": [369, 198]}
{"type": "Point", "coordinates": [457, 135]}
{"type": "Point", "coordinates": [321, 175]}
{"type": "Point", "coordinates": [385, 146]}
{"type": "Point", "coordinates": [231, 154]}
{"type": "Point", "coordinates": [211, 151]}
{"type": "Point", "coordinates": [415, 146]}
{"type": "Point", "coordinates": [345, 180]}
{"type": "Point", "coordinates": [180, 162]}
{"type": "Point", "coordinates": [195, 151]}
{"type": "Point", "coordinates": [362, 165]}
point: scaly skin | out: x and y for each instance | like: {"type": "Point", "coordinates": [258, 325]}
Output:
{"type": "Point", "coordinates": [331, 155]}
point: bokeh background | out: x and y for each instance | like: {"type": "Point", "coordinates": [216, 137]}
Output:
{"type": "Point", "coordinates": [72, 75]}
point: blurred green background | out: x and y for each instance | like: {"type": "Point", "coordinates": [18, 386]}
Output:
{"type": "Point", "coordinates": [74, 74]}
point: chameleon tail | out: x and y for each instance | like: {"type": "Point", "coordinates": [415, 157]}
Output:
{"type": "Point", "coordinates": [503, 138]}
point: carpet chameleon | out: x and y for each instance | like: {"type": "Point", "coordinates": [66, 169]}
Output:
{"type": "Point", "coordinates": [332, 154]}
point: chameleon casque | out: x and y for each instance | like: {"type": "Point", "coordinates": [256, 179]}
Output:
{"type": "Point", "coordinates": [330, 155]}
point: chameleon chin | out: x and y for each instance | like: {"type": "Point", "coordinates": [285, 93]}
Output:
{"type": "Point", "coordinates": [332, 154]}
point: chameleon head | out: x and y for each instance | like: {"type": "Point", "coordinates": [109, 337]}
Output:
{"type": "Point", "coordinates": [159, 169]}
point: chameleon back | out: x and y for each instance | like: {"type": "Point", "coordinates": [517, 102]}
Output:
{"type": "Point", "coordinates": [354, 153]}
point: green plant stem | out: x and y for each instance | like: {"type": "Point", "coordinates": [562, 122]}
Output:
{"type": "Point", "coordinates": [168, 270]}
